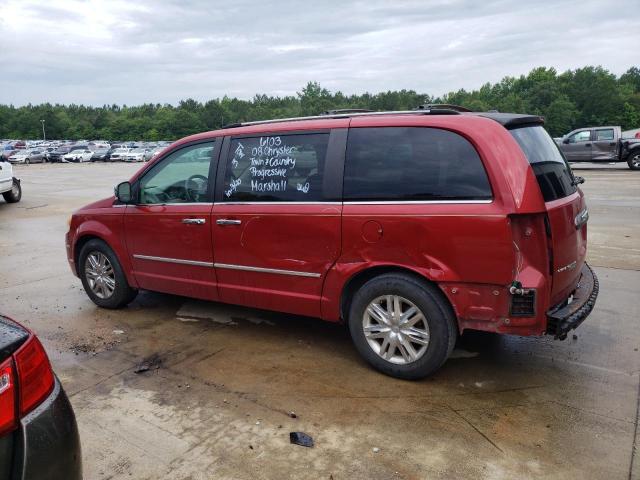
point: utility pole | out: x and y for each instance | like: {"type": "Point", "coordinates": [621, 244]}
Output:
{"type": "Point", "coordinates": [44, 136]}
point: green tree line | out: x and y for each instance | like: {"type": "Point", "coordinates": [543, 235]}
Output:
{"type": "Point", "coordinates": [572, 99]}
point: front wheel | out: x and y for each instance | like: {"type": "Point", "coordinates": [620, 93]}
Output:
{"type": "Point", "coordinates": [102, 276]}
{"type": "Point", "coordinates": [402, 326]}
{"type": "Point", "coordinates": [634, 161]}
{"type": "Point", "coordinates": [15, 194]}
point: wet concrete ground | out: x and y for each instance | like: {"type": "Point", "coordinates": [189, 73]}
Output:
{"type": "Point", "coordinates": [216, 400]}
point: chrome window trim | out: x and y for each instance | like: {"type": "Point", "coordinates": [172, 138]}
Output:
{"type": "Point", "coordinates": [377, 202]}
{"type": "Point", "coordinates": [417, 202]}
{"type": "Point", "coordinates": [190, 204]}
{"type": "Point", "coordinates": [186, 204]}
{"type": "Point", "coordinates": [266, 270]}
{"type": "Point", "coordinates": [278, 203]}
{"type": "Point", "coordinates": [179, 261]}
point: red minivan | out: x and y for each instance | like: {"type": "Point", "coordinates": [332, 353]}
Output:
{"type": "Point", "coordinates": [409, 226]}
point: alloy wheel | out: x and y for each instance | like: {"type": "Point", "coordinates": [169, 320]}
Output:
{"type": "Point", "coordinates": [100, 275]}
{"type": "Point", "coordinates": [396, 329]}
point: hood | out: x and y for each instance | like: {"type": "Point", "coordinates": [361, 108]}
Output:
{"type": "Point", "coordinates": [104, 203]}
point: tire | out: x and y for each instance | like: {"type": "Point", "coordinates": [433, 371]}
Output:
{"type": "Point", "coordinates": [27, 162]}
{"type": "Point", "coordinates": [437, 321]}
{"type": "Point", "coordinates": [633, 160]}
{"type": "Point", "coordinates": [121, 294]}
{"type": "Point", "coordinates": [15, 194]}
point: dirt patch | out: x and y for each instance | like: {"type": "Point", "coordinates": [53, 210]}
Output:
{"type": "Point", "coordinates": [91, 342]}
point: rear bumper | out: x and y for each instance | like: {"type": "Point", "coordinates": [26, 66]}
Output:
{"type": "Point", "coordinates": [48, 441]}
{"type": "Point", "coordinates": [567, 316]}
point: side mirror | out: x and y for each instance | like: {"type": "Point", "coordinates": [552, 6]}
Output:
{"type": "Point", "coordinates": [123, 192]}
{"type": "Point", "coordinates": [565, 140]}
{"type": "Point", "coordinates": [578, 180]}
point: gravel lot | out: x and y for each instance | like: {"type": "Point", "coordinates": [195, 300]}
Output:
{"type": "Point", "coordinates": [223, 380]}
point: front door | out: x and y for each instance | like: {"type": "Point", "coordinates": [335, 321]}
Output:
{"type": "Point", "coordinates": [276, 226]}
{"type": "Point", "coordinates": [168, 230]}
{"type": "Point", "coordinates": [578, 148]}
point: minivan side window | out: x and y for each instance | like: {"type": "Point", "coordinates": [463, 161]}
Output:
{"type": "Point", "coordinates": [412, 163]}
{"type": "Point", "coordinates": [276, 168]}
{"type": "Point", "coordinates": [181, 177]}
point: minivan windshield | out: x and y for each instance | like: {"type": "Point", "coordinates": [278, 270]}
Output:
{"type": "Point", "coordinates": [550, 167]}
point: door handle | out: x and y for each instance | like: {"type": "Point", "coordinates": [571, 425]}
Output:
{"type": "Point", "coordinates": [612, 144]}
{"type": "Point", "coordinates": [587, 144]}
{"type": "Point", "coordinates": [194, 221]}
{"type": "Point", "coordinates": [228, 221]}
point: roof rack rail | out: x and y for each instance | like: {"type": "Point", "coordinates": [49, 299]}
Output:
{"type": "Point", "coordinates": [443, 107]}
{"type": "Point", "coordinates": [326, 115]}
{"type": "Point", "coordinates": [340, 111]}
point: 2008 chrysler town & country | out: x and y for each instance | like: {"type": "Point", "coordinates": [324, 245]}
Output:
{"type": "Point", "coordinates": [410, 226]}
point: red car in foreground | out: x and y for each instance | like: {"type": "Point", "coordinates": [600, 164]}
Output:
{"type": "Point", "coordinates": [409, 226]}
{"type": "Point", "coordinates": [38, 431]}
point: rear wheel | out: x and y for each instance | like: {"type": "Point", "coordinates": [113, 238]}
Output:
{"type": "Point", "coordinates": [15, 194]}
{"type": "Point", "coordinates": [633, 160]}
{"type": "Point", "coordinates": [402, 326]}
{"type": "Point", "coordinates": [102, 276]}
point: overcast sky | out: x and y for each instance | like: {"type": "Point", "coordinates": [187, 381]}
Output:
{"type": "Point", "coordinates": [114, 51]}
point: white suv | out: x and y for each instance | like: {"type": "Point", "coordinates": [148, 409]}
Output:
{"type": "Point", "coordinates": [9, 185]}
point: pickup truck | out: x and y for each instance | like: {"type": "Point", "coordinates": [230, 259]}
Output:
{"type": "Point", "coordinates": [9, 185]}
{"type": "Point", "coordinates": [600, 144]}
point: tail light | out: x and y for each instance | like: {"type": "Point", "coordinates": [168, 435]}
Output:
{"type": "Point", "coordinates": [8, 419]}
{"type": "Point", "coordinates": [523, 305]}
{"type": "Point", "coordinates": [35, 377]}
{"type": "Point", "coordinates": [531, 269]}
{"type": "Point", "coordinates": [26, 379]}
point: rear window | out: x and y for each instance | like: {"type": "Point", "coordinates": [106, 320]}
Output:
{"type": "Point", "coordinates": [412, 163]}
{"type": "Point", "coordinates": [551, 169]}
{"type": "Point", "coordinates": [605, 134]}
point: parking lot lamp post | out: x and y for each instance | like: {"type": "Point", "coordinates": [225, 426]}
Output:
{"type": "Point", "coordinates": [44, 136]}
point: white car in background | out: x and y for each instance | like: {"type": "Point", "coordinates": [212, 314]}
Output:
{"type": "Point", "coordinates": [9, 185]}
{"type": "Point", "coordinates": [78, 156]}
{"type": "Point", "coordinates": [137, 155]}
{"type": "Point", "coordinates": [119, 154]}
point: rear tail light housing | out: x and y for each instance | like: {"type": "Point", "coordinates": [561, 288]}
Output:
{"type": "Point", "coordinates": [523, 304]}
{"type": "Point", "coordinates": [8, 418]}
{"type": "Point", "coordinates": [26, 379]}
{"type": "Point", "coordinates": [35, 377]}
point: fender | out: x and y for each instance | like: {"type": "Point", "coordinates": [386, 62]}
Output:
{"type": "Point", "coordinates": [344, 272]}
{"type": "Point", "coordinates": [104, 230]}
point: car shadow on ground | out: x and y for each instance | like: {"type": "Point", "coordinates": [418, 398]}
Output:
{"type": "Point", "coordinates": [218, 337]}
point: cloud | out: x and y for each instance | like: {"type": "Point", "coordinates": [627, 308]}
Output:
{"type": "Point", "coordinates": [115, 51]}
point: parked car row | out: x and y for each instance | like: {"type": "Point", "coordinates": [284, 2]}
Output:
{"type": "Point", "coordinates": [82, 151]}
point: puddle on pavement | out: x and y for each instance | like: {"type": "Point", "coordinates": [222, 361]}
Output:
{"type": "Point", "coordinates": [196, 310]}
